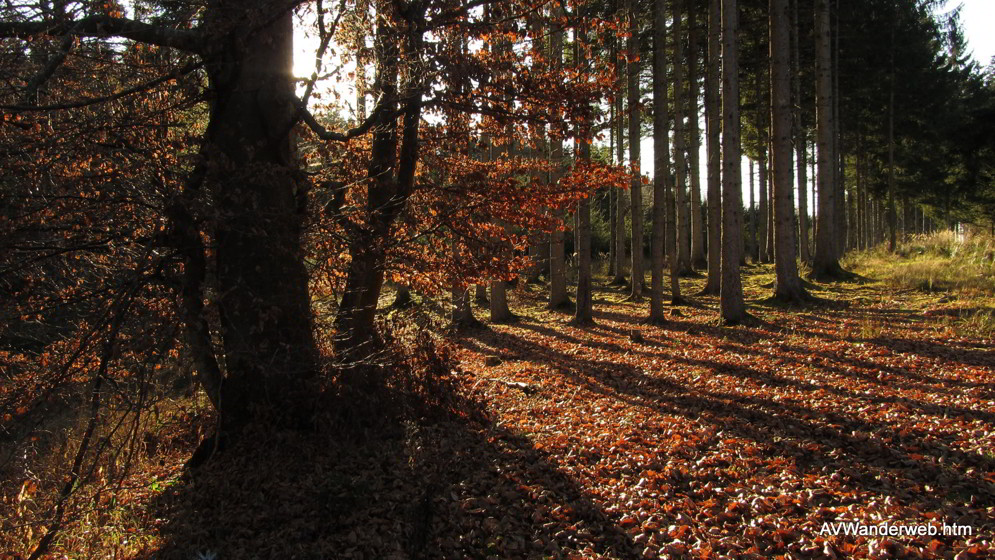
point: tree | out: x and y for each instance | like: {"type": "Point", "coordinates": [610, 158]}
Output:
{"type": "Point", "coordinates": [618, 130]}
{"type": "Point", "coordinates": [801, 140]}
{"type": "Point", "coordinates": [787, 284]}
{"type": "Point", "coordinates": [661, 160]}
{"type": "Point", "coordinates": [713, 123]}
{"type": "Point", "coordinates": [732, 306]}
{"type": "Point", "coordinates": [698, 259]}
{"type": "Point", "coordinates": [558, 297]}
{"type": "Point", "coordinates": [683, 231]}
{"type": "Point", "coordinates": [826, 261]}
{"type": "Point", "coordinates": [636, 184]}
{"type": "Point", "coordinates": [583, 314]}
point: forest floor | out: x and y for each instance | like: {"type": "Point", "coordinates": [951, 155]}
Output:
{"type": "Point", "coordinates": [686, 440]}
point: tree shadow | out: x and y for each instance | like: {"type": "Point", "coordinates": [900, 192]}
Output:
{"type": "Point", "coordinates": [865, 459]}
{"type": "Point", "coordinates": [453, 488]}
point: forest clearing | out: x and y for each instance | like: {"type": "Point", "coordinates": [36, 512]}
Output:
{"type": "Point", "coordinates": [495, 279]}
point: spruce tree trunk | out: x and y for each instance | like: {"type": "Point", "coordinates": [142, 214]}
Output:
{"type": "Point", "coordinates": [713, 129]}
{"type": "Point", "coordinates": [732, 306]}
{"type": "Point", "coordinates": [661, 163]}
{"type": "Point", "coordinates": [636, 185]}
{"type": "Point", "coordinates": [558, 297]}
{"type": "Point", "coordinates": [826, 262]}
{"type": "Point", "coordinates": [583, 312]}
{"type": "Point", "coordinates": [761, 216]}
{"type": "Point", "coordinates": [680, 143]}
{"type": "Point", "coordinates": [804, 247]}
{"type": "Point", "coordinates": [770, 206]}
{"type": "Point", "coordinates": [698, 260]}
{"type": "Point", "coordinates": [751, 241]}
{"type": "Point", "coordinates": [801, 142]}
{"type": "Point", "coordinates": [787, 284]}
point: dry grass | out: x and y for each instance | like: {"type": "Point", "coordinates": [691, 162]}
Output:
{"type": "Point", "coordinates": [958, 273]}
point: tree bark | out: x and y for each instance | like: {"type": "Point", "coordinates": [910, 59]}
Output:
{"type": "Point", "coordinates": [661, 163]}
{"type": "Point", "coordinates": [801, 142]}
{"type": "Point", "coordinates": [265, 310]}
{"type": "Point", "coordinates": [751, 241]}
{"type": "Point", "coordinates": [761, 215]}
{"type": "Point", "coordinates": [787, 284]}
{"type": "Point", "coordinates": [558, 297]}
{"type": "Point", "coordinates": [826, 262]}
{"type": "Point", "coordinates": [731, 303]}
{"type": "Point", "coordinates": [680, 143]}
{"type": "Point", "coordinates": [636, 184]}
{"type": "Point", "coordinates": [583, 312]}
{"type": "Point", "coordinates": [390, 181]}
{"type": "Point", "coordinates": [698, 260]}
{"type": "Point", "coordinates": [713, 128]}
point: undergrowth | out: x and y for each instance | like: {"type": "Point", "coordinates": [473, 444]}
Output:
{"type": "Point", "coordinates": [958, 271]}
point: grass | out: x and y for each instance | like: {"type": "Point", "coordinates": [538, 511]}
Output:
{"type": "Point", "coordinates": [955, 277]}
{"type": "Point", "coordinates": [933, 263]}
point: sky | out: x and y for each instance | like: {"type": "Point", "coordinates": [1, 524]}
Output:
{"type": "Point", "coordinates": [978, 18]}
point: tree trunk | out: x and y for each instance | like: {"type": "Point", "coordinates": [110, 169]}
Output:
{"type": "Point", "coordinates": [801, 142]}
{"type": "Point", "coordinates": [390, 182]}
{"type": "Point", "coordinates": [787, 284]}
{"type": "Point", "coordinates": [500, 312]}
{"type": "Point", "coordinates": [761, 216]}
{"type": "Point", "coordinates": [583, 312]}
{"type": "Point", "coordinates": [265, 311]}
{"type": "Point", "coordinates": [558, 297]}
{"type": "Point", "coordinates": [732, 306]}
{"type": "Point", "coordinates": [612, 196]}
{"type": "Point", "coordinates": [826, 263]}
{"type": "Point", "coordinates": [892, 214]}
{"type": "Point", "coordinates": [770, 206]}
{"type": "Point", "coordinates": [751, 241]}
{"type": "Point", "coordinates": [680, 144]}
{"type": "Point", "coordinates": [619, 278]}
{"type": "Point", "coordinates": [462, 314]}
{"type": "Point", "coordinates": [636, 185]}
{"type": "Point", "coordinates": [661, 163]}
{"type": "Point", "coordinates": [698, 259]}
{"type": "Point", "coordinates": [713, 124]}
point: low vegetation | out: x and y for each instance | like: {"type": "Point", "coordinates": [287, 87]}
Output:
{"type": "Point", "coordinates": [959, 268]}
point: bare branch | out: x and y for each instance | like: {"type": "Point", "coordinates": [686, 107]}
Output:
{"type": "Point", "coordinates": [189, 40]}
